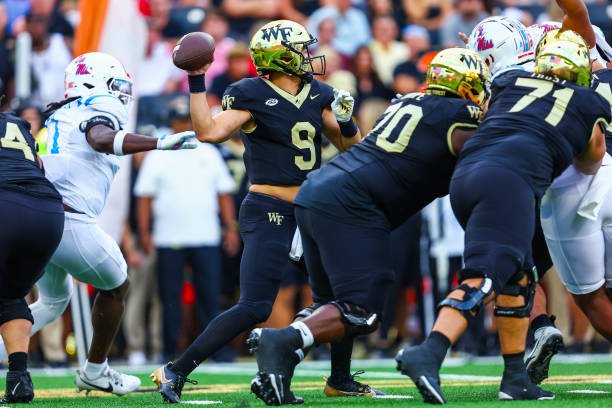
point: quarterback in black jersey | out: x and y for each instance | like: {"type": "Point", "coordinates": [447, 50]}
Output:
{"type": "Point", "coordinates": [536, 125]}
{"type": "Point", "coordinates": [281, 116]}
{"type": "Point", "coordinates": [347, 209]}
{"type": "Point", "coordinates": [32, 221]}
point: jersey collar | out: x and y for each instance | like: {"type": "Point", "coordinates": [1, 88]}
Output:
{"type": "Point", "coordinates": [296, 100]}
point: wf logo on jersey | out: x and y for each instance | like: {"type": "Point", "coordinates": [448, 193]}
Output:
{"type": "Point", "coordinates": [275, 218]}
{"type": "Point", "coordinates": [268, 33]}
{"type": "Point", "coordinates": [227, 102]}
{"type": "Point", "coordinates": [475, 111]}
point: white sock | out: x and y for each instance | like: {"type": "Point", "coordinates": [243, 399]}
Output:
{"type": "Point", "coordinates": [307, 337]}
{"type": "Point", "coordinates": [94, 370]}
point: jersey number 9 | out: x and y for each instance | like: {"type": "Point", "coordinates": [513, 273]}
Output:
{"type": "Point", "coordinates": [308, 143]}
{"type": "Point", "coordinates": [13, 139]}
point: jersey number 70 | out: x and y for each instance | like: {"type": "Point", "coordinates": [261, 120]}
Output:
{"type": "Point", "coordinates": [13, 139]}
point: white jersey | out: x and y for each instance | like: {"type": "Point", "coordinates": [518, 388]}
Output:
{"type": "Point", "coordinates": [82, 175]}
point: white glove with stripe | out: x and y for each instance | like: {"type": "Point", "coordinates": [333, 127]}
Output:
{"type": "Point", "coordinates": [177, 141]}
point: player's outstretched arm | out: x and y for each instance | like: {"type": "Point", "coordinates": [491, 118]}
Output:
{"type": "Point", "coordinates": [104, 139]}
{"type": "Point", "coordinates": [211, 129]}
{"type": "Point", "coordinates": [577, 19]}
{"type": "Point", "coordinates": [589, 161]}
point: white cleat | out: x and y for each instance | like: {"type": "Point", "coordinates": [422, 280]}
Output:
{"type": "Point", "coordinates": [548, 342]}
{"type": "Point", "coordinates": [110, 381]}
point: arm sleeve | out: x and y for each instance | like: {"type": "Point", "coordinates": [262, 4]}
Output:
{"type": "Point", "coordinates": [146, 183]}
{"type": "Point", "coordinates": [327, 95]}
{"type": "Point", "coordinates": [107, 106]}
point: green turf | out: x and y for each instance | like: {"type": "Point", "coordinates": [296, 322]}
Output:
{"type": "Point", "coordinates": [469, 393]}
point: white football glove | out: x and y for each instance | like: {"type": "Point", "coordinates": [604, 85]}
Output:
{"type": "Point", "coordinates": [342, 105]}
{"type": "Point", "coordinates": [177, 141]}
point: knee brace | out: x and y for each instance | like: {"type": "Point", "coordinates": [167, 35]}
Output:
{"type": "Point", "coordinates": [515, 289]}
{"type": "Point", "coordinates": [12, 309]}
{"type": "Point", "coordinates": [357, 320]}
{"type": "Point", "coordinates": [473, 298]}
{"type": "Point", "coordinates": [306, 312]}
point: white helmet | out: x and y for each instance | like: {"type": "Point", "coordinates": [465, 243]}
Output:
{"type": "Point", "coordinates": [501, 42]}
{"type": "Point", "coordinates": [537, 31]}
{"type": "Point", "coordinates": [97, 73]}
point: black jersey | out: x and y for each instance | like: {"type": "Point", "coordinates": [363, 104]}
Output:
{"type": "Point", "coordinates": [404, 163]}
{"type": "Point", "coordinates": [602, 83]}
{"type": "Point", "coordinates": [535, 125]}
{"type": "Point", "coordinates": [232, 155]}
{"type": "Point", "coordinates": [286, 141]}
{"type": "Point", "coordinates": [19, 169]}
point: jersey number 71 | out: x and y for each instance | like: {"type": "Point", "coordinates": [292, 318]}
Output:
{"type": "Point", "coordinates": [540, 90]}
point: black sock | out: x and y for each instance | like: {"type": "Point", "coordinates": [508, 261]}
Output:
{"type": "Point", "coordinates": [220, 331]}
{"type": "Point", "coordinates": [513, 363]}
{"type": "Point", "coordinates": [341, 353]}
{"type": "Point", "coordinates": [18, 361]}
{"type": "Point", "coordinates": [439, 344]}
{"type": "Point", "coordinates": [541, 321]}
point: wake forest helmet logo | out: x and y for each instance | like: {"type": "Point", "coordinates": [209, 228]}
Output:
{"type": "Point", "coordinates": [284, 32]}
{"type": "Point", "coordinates": [472, 62]}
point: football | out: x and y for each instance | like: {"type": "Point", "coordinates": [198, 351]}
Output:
{"type": "Point", "coordinates": [193, 51]}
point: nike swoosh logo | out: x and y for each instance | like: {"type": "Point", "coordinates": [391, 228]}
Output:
{"type": "Point", "coordinates": [15, 389]}
{"type": "Point", "coordinates": [107, 389]}
{"type": "Point", "coordinates": [314, 96]}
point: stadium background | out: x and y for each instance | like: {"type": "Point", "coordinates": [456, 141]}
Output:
{"type": "Point", "coordinates": [374, 49]}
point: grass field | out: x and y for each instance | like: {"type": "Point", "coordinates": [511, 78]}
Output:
{"type": "Point", "coordinates": [583, 382]}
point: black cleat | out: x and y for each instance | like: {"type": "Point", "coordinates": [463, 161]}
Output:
{"type": "Point", "coordinates": [548, 342]}
{"type": "Point", "coordinates": [274, 389]}
{"type": "Point", "coordinates": [349, 388]}
{"type": "Point", "coordinates": [276, 361]}
{"type": "Point", "coordinates": [19, 387]}
{"type": "Point", "coordinates": [519, 387]}
{"type": "Point", "coordinates": [169, 383]}
{"type": "Point", "coordinates": [416, 363]}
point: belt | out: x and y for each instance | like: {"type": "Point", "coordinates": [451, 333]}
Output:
{"type": "Point", "coordinates": [69, 209]}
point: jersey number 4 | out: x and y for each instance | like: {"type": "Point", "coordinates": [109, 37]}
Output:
{"type": "Point", "coordinates": [13, 139]}
{"type": "Point", "coordinates": [541, 89]}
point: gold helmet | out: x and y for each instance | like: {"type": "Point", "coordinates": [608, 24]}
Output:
{"type": "Point", "coordinates": [461, 72]}
{"type": "Point", "coordinates": [282, 46]}
{"type": "Point", "coordinates": [565, 59]}
{"type": "Point", "coordinates": [565, 35]}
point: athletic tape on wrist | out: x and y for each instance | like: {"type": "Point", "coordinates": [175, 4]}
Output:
{"type": "Point", "coordinates": [118, 142]}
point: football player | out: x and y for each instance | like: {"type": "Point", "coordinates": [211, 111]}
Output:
{"type": "Point", "coordinates": [576, 215]}
{"type": "Point", "coordinates": [281, 115]}
{"type": "Point", "coordinates": [32, 224]}
{"type": "Point", "coordinates": [536, 125]}
{"type": "Point", "coordinates": [85, 137]}
{"type": "Point", "coordinates": [346, 211]}
{"type": "Point", "coordinates": [505, 44]}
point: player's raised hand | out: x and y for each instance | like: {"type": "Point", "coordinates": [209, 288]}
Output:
{"type": "Point", "coordinates": [342, 105]}
{"type": "Point", "coordinates": [200, 71]}
{"type": "Point", "coordinates": [177, 141]}
{"type": "Point", "coordinates": [464, 37]}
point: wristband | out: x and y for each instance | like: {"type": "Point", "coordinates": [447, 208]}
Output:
{"type": "Point", "coordinates": [348, 129]}
{"type": "Point", "coordinates": [118, 142]}
{"type": "Point", "coordinates": [196, 83]}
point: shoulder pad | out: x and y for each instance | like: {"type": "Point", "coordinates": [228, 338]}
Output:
{"type": "Point", "coordinates": [108, 104]}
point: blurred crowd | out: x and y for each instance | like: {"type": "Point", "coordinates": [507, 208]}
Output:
{"type": "Point", "coordinates": [178, 230]}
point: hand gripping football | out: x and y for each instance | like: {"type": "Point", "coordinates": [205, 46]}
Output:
{"type": "Point", "coordinates": [193, 51]}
